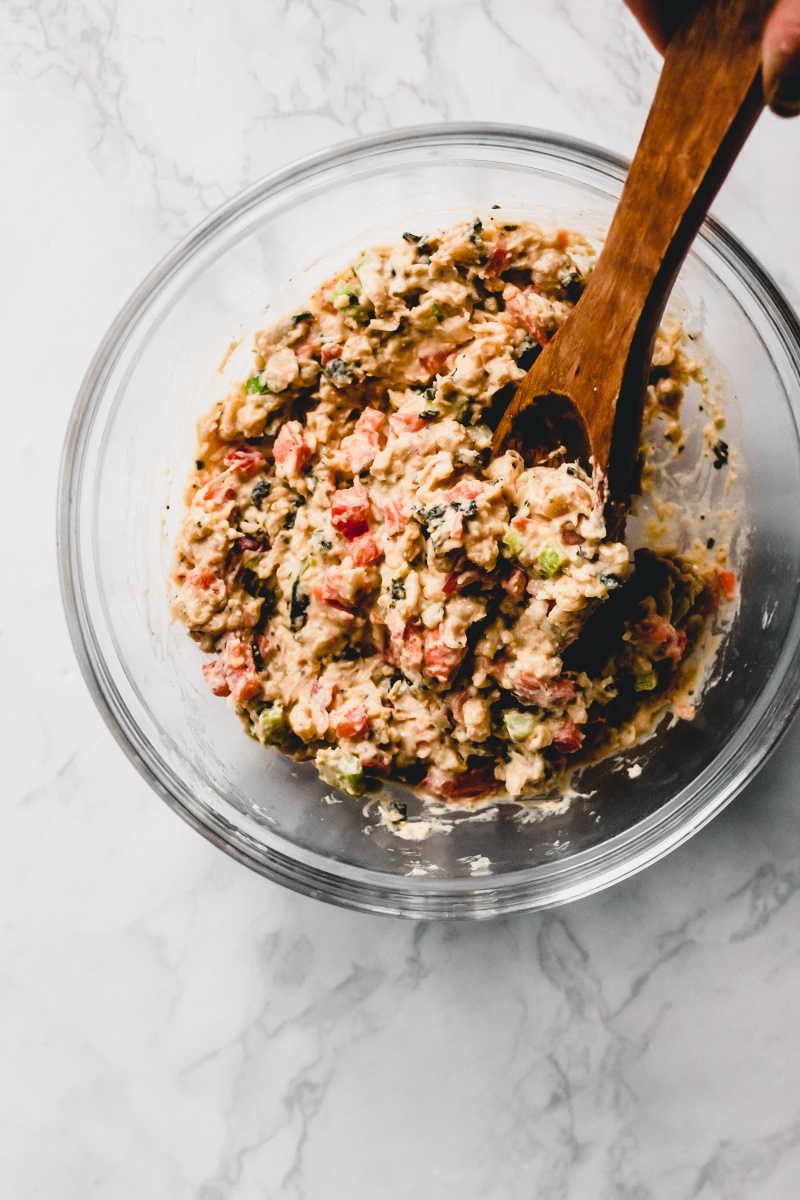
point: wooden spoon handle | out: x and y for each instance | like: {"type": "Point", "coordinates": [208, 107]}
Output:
{"type": "Point", "coordinates": [708, 99]}
{"type": "Point", "coordinates": [589, 384]}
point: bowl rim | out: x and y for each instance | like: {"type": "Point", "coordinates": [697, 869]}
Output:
{"type": "Point", "coordinates": [305, 871]}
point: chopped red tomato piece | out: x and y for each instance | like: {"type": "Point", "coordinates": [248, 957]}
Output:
{"type": "Point", "coordinates": [441, 660]}
{"type": "Point", "coordinates": [350, 512]}
{"type": "Point", "coordinates": [364, 550]}
{"type": "Point", "coordinates": [246, 461]}
{"type": "Point", "coordinates": [519, 309]}
{"type": "Point", "coordinates": [329, 352]}
{"type": "Point", "coordinates": [475, 782]}
{"type": "Point", "coordinates": [727, 583]}
{"type": "Point", "coordinates": [240, 669]}
{"type": "Point", "coordinates": [290, 450]}
{"type": "Point", "coordinates": [465, 489]}
{"type": "Point", "coordinates": [214, 676]}
{"type": "Point", "coordinates": [204, 579]}
{"type": "Point", "coordinates": [497, 260]}
{"type": "Point", "coordinates": [406, 422]}
{"type": "Point", "coordinates": [515, 583]}
{"type": "Point", "coordinates": [332, 589]}
{"type": "Point", "coordinates": [434, 357]}
{"type": "Point", "coordinates": [353, 723]}
{"type": "Point", "coordinates": [548, 693]}
{"type": "Point", "coordinates": [568, 738]}
{"type": "Point", "coordinates": [322, 694]}
{"type": "Point", "coordinates": [219, 494]}
{"type": "Point", "coordinates": [675, 645]}
{"type": "Point", "coordinates": [450, 584]}
{"type": "Point", "coordinates": [370, 421]}
{"type": "Point", "coordinates": [406, 648]}
{"type": "Point", "coordinates": [362, 444]}
{"type": "Point", "coordinates": [671, 640]}
{"type": "Point", "coordinates": [394, 518]}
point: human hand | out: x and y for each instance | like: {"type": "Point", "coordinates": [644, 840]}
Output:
{"type": "Point", "coordinates": [781, 46]}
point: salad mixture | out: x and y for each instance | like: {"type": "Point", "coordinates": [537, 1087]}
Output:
{"type": "Point", "coordinates": [382, 596]}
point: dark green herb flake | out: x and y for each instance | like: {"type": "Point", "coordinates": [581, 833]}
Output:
{"type": "Point", "coordinates": [298, 608]}
{"type": "Point", "coordinates": [259, 493]}
{"type": "Point", "coordinates": [720, 452]}
{"type": "Point", "coordinates": [254, 386]}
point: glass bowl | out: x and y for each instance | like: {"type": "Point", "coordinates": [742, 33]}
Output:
{"type": "Point", "coordinates": [131, 441]}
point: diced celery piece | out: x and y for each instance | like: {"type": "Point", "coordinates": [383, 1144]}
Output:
{"type": "Point", "coordinates": [512, 544]}
{"type": "Point", "coordinates": [457, 408]}
{"type": "Point", "coordinates": [646, 683]}
{"type": "Point", "coordinates": [352, 773]}
{"type": "Point", "coordinates": [255, 387]}
{"type": "Point", "coordinates": [342, 770]}
{"type": "Point", "coordinates": [270, 723]}
{"type": "Point", "coordinates": [430, 313]}
{"type": "Point", "coordinates": [552, 559]}
{"type": "Point", "coordinates": [519, 725]}
{"type": "Point", "coordinates": [360, 313]}
{"type": "Point", "coordinates": [342, 294]}
{"type": "Point", "coordinates": [481, 437]}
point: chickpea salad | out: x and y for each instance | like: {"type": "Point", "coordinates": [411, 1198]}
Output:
{"type": "Point", "coordinates": [381, 596]}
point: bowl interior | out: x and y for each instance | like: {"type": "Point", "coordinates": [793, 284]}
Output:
{"type": "Point", "coordinates": [133, 440]}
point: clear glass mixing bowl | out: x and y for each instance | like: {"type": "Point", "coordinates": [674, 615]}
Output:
{"type": "Point", "coordinates": [131, 441]}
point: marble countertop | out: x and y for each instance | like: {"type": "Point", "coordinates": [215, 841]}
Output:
{"type": "Point", "coordinates": [172, 1026]}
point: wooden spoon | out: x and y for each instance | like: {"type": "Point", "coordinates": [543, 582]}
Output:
{"type": "Point", "coordinates": [586, 391]}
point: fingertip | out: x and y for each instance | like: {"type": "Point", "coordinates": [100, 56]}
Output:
{"type": "Point", "coordinates": [781, 59]}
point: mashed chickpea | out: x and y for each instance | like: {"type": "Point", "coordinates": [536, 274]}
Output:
{"type": "Point", "coordinates": [379, 594]}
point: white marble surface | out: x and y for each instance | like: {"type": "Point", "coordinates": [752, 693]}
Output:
{"type": "Point", "coordinates": [172, 1027]}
